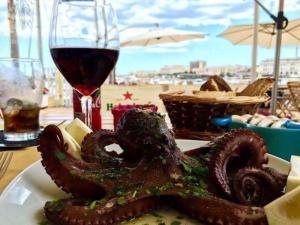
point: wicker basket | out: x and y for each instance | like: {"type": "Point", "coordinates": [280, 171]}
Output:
{"type": "Point", "coordinates": [191, 113]}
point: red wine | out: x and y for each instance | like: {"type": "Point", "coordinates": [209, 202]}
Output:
{"type": "Point", "coordinates": [85, 69]}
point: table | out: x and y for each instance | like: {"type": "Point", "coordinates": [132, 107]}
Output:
{"type": "Point", "coordinates": [21, 159]}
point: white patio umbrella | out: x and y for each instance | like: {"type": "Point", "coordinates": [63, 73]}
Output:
{"type": "Point", "coordinates": [243, 34]}
{"type": "Point", "coordinates": [161, 36]}
{"type": "Point", "coordinates": [281, 32]}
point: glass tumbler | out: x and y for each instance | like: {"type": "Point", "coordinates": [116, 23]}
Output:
{"type": "Point", "coordinates": [21, 92]}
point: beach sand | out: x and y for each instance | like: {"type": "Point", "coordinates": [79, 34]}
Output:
{"type": "Point", "coordinates": [142, 94]}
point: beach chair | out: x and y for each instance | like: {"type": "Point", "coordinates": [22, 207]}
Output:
{"type": "Point", "coordinates": [294, 88]}
{"type": "Point", "coordinates": [285, 105]}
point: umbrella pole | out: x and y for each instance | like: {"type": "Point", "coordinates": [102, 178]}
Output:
{"type": "Point", "coordinates": [281, 23]}
{"type": "Point", "coordinates": [255, 38]}
{"type": "Point", "coordinates": [280, 26]}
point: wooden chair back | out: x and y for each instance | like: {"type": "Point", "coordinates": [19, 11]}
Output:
{"type": "Point", "coordinates": [294, 88]}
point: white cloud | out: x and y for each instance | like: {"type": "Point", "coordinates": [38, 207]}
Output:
{"type": "Point", "coordinates": [120, 5]}
{"type": "Point", "coordinates": [154, 49]}
{"type": "Point", "coordinates": [242, 15]}
{"type": "Point", "coordinates": [217, 2]}
{"type": "Point", "coordinates": [214, 11]}
{"type": "Point", "coordinates": [183, 4]}
{"type": "Point", "coordinates": [289, 5]}
{"type": "Point", "coordinates": [203, 12]}
{"type": "Point", "coordinates": [164, 50]}
{"type": "Point", "coordinates": [292, 5]}
{"type": "Point", "coordinates": [140, 14]}
{"type": "Point", "coordinates": [204, 21]}
{"type": "Point", "coordinates": [176, 12]}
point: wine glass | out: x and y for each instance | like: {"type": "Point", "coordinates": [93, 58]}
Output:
{"type": "Point", "coordinates": [84, 44]}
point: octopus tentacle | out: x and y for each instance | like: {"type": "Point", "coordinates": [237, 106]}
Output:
{"type": "Point", "coordinates": [93, 148]}
{"type": "Point", "coordinates": [60, 165]}
{"type": "Point", "coordinates": [84, 212]}
{"type": "Point", "coordinates": [219, 211]}
{"type": "Point", "coordinates": [235, 150]}
{"type": "Point", "coordinates": [281, 179]}
{"type": "Point", "coordinates": [252, 186]}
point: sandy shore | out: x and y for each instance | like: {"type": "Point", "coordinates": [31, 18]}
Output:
{"type": "Point", "coordinates": [142, 94]}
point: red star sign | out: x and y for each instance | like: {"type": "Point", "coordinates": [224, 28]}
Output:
{"type": "Point", "coordinates": [127, 95]}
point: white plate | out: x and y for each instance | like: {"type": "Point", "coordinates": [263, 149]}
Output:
{"type": "Point", "coordinates": [21, 203]}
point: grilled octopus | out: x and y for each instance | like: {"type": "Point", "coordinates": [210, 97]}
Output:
{"type": "Point", "coordinates": [225, 183]}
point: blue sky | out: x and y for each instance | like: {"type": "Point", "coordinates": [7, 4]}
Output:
{"type": "Point", "coordinates": [210, 17]}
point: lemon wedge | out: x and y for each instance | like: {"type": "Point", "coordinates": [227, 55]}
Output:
{"type": "Point", "coordinates": [73, 146]}
{"type": "Point", "coordinates": [284, 210]}
{"type": "Point", "coordinates": [78, 130]}
{"type": "Point", "coordinates": [293, 180]}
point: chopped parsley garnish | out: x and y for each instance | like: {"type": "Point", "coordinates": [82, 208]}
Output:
{"type": "Point", "coordinates": [132, 219]}
{"type": "Point", "coordinates": [93, 205]}
{"type": "Point", "coordinates": [193, 178]}
{"type": "Point", "coordinates": [160, 222]}
{"type": "Point", "coordinates": [73, 172]}
{"type": "Point", "coordinates": [166, 186]}
{"type": "Point", "coordinates": [121, 190]}
{"type": "Point", "coordinates": [108, 160]}
{"type": "Point", "coordinates": [60, 155]}
{"type": "Point", "coordinates": [121, 201]}
{"type": "Point", "coordinates": [187, 168]}
{"type": "Point", "coordinates": [125, 189]}
{"type": "Point", "coordinates": [199, 191]}
{"type": "Point", "coordinates": [44, 222]}
{"type": "Point", "coordinates": [156, 215]}
{"type": "Point", "coordinates": [200, 170]}
{"type": "Point", "coordinates": [163, 160]}
{"type": "Point", "coordinates": [179, 217]}
{"type": "Point", "coordinates": [103, 201]}
{"type": "Point", "coordinates": [176, 223]}
{"type": "Point", "coordinates": [55, 206]}
{"type": "Point", "coordinates": [154, 191]}
{"type": "Point", "coordinates": [182, 194]}
{"type": "Point", "coordinates": [111, 173]}
{"type": "Point", "coordinates": [157, 190]}
{"type": "Point", "coordinates": [134, 193]}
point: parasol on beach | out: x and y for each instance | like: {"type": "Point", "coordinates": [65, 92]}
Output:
{"type": "Point", "coordinates": [161, 36]}
{"type": "Point", "coordinates": [243, 34]}
{"type": "Point", "coordinates": [280, 32]}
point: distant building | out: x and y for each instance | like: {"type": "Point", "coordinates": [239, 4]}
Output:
{"type": "Point", "coordinates": [288, 67]}
{"type": "Point", "coordinates": [173, 69]}
{"type": "Point", "coordinates": [227, 70]}
{"type": "Point", "coordinates": [198, 67]}
{"type": "Point", "coordinates": [145, 74]}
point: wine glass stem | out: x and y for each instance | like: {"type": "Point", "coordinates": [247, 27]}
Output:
{"type": "Point", "coordinates": [86, 106]}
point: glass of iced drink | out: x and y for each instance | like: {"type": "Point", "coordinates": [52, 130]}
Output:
{"type": "Point", "coordinates": [21, 92]}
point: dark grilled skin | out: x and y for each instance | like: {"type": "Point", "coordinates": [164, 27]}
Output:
{"type": "Point", "coordinates": [144, 133]}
